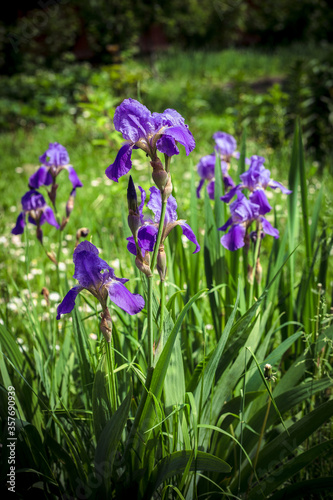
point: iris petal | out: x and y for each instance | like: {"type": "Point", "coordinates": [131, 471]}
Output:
{"type": "Point", "coordinates": [38, 178]}
{"type": "Point", "coordinates": [234, 239]}
{"type": "Point", "coordinates": [68, 303]}
{"type": "Point", "coordinates": [122, 163]}
{"type": "Point", "coordinates": [123, 298]}
{"type": "Point", "coordinates": [73, 177]}
{"type": "Point", "coordinates": [20, 224]}
{"type": "Point", "coordinates": [187, 231]}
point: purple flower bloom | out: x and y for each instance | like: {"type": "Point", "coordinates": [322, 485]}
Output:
{"type": "Point", "coordinates": [54, 160]}
{"type": "Point", "coordinates": [96, 276]}
{"type": "Point", "coordinates": [243, 213]}
{"type": "Point", "coordinates": [206, 170]}
{"type": "Point", "coordinates": [225, 146]}
{"type": "Point", "coordinates": [34, 205]}
{"type": "Point", "coordinates": [148, 131]}
{"type": "Point", "coordinates": [256, 179]}
{"type": "Point", "coordinates": [147, 233]}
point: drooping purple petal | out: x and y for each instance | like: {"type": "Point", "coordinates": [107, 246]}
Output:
{"type": "Point", "coordinates": [228, 182]}
{"type": "Point", "coordinates": [56, 155]}
{"type": "Point", "coordinates": [268, 228]}
{"type": "Point", "coordinates": [226, 225]}
{"type": "Point", "coordinates": [40, 178]}
{"type": "Point", "coordinates": [73, 177]}
{"type": "Point", "coordinates": [122, 163]}
{"type": "Point", "coordinates": [234, 239]}
{"type": "Point", "coordinates": [20, 224]}
{"type": "Point", "coordinates": [131, 247]}
{"type": "Point", "coordinates": [49, 217]}
{"type": "Point", "coordinates": [276, 184]}
{"type": "Point", "coordinates": [211, 189]}
{"type": "Point", "coordinates": [123, 298]}
{"type": "Point", "coordinates": [201, 183]}
{"type": "Point", "coordinates": [259, 198]}
{"type": "Point", "coordinates": [187, 231]}
{"type": "Point", "coordinates": [68, 303]}
{"type": "Point", "coordinates": [227, 197]}
{"type": "Point", "coordinates": [133, 120]}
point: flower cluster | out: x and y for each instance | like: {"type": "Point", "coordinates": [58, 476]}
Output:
{"type": "Point", "coordinates": [151, 132]}
{"type": "Point", "coordinates": [54, 160]}
{"type": "Point", "coordinates": [245, 211]}
{"type": "Point", "coordinates": [34, 206]}
{"type": "Point", "coordinates": [96, 276]}
{"type": "Point", "coordinates": [225, 149]}
{"type": "Point", "coordinates": [144, 236]}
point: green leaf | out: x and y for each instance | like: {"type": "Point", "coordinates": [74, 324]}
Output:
{"type": "Point", "coordinates": [109, 439]}
{"type": "Point", "coordinates": [279, 476]}
{"type": "Point", "coordinates": [176, 463]}
{"type": "Point", "coordinates": [284, 444]}
{"type": "Point", "coordinates": [100, 399]}
{"type": "Point", "coordinates": [304, 489]}
{"type": "Point", "coordinates": [214, 358]}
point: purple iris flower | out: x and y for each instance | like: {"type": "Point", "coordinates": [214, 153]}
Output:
{"type": "Point", "coordinates": [256, 179]}
{"type": "Point", "coordinates": [147, 233]}
{"type": "Point", "coordinates": [34, 205]}
{"type": "Point", "coordinates": [225, 146]}
{"type": "Point", "coordinates": [96, 276]}
{"type": "Point", "coordinates": [54, 160]}
{"type": "Point", "coordinates": [206, 170]}
{"type": "Point", "coordinates": [148, 131]}
{"type": "Point", "coordinates": [243, 213]}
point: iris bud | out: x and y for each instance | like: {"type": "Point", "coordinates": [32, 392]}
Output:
{"type": "Point", "coordinates": [132, 199]}
{"type": "Point", "coordinates": [106, 325]}
{"type": "Point", "coordinates": [161, 263]}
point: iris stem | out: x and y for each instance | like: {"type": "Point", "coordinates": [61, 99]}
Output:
{"type": "Point", "coordinates": [111, 377]}
{"type": "Point", "coordinates": [162, 287]}
{"type": "Point", "coordinates": [255, 258]}
{"type": "Point", "coordinates": [150, 288]}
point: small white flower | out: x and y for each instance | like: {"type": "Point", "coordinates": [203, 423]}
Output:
{"type": "Point", "coordinates": [54, 297]}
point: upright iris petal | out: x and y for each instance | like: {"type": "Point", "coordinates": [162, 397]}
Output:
{"type": "Point", "coordinates": [243, 213]}
{"type": "Point", "coordinates": [96, 276]}
{"type": "Point", "coordinates": [148, 231]}
{"type": "Point", "coordinates": [54, 160]}
{"type": "Point", "coordinates": [149, 132]}
{"type": "Point", "coordinates": [256, 179]}
{"type": "Point", "coordinates": [225, 145]}
{"type": "Point", "coordinates": [206, 170]}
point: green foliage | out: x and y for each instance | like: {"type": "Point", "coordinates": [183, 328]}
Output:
{"type": "Point", "coordinates": [310, 84]}
{"type": "Point", "coordinates": [91, 420]}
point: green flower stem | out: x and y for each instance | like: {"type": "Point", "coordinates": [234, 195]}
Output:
{"type": "Point", "coordinates": [150, 288]}
{"type": "Point", "coordinates": [60, 240]}
{"type": "Point", "coordinates": [162, 287]}
{"type": "Point", "coordinates": [255, 258]}
{"type": "Point", "coordinates": [111, 377]}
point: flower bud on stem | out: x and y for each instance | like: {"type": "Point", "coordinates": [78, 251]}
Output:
{"type": "Point", "coordinates": [106, 325]}
{"type": "Point", "coordinates": [161, 263]}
